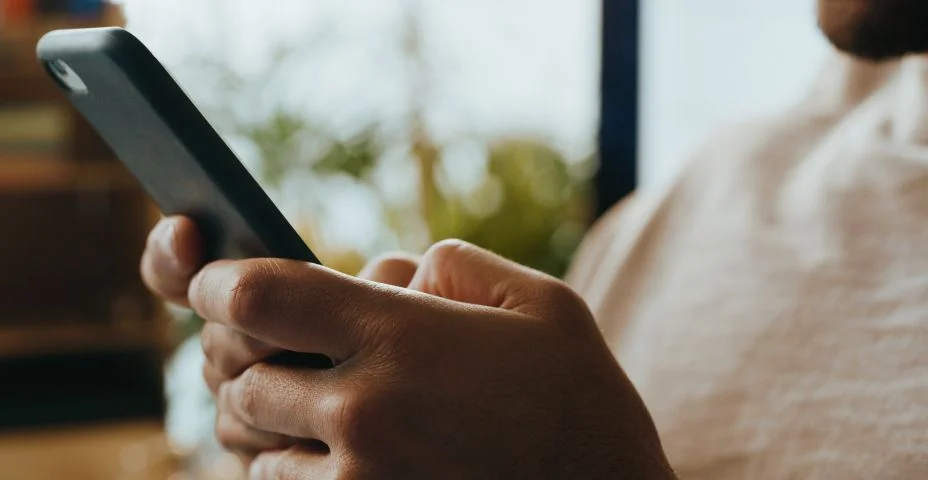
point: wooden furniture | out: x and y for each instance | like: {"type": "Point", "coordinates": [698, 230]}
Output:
{"type": "Point", "coordinates": [130, 451]}
{"type": "Point", "coordinates": [81, 340]}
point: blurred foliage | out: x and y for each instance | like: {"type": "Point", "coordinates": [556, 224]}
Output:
{"type": "Point", "coordinates": [531, 204]}
{"type": "Point", "coordinates": [537, 210]}
{"type": "Point", "coordinates": [274, 140]}
{"type": "Point", "coordinates": [531, 207]}
{"type": "Point", "coordinates": [356, 158]}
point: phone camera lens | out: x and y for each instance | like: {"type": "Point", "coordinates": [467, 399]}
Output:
{"type": "Point", "coordinates": [59, 67]}
{"type": "Point", "coordinates": [65, 77]}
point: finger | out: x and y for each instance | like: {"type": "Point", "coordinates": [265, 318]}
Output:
{"type": "Point", "coordinates": [462, 272]}
{"type": "Point", "coordinates": [230, 352]}
{"type": "Point", "coordinates": [173, 252]}
{"type": "Point", "coordinates": [296, 463]}
{"type": "Point", "coordinates": [297, 306]}
{"type": "Point", "coordinates": [294, 402]}
{"type": "Point", "coordinates": [213, 378]}
{"type": "Point", "coordinates": [245, 440]}
{"type": "Point", "coordinates": [244, 458]}
{"type": "Point", "coordinates": [395, 269]}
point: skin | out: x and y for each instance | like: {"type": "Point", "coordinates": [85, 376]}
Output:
{"type": "Point", "coordinates": [875, 29]}
{"type": "Point", "coordinates": [458, 364]}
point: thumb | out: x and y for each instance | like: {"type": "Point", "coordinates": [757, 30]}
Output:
{"type": "Point", "coordinates": [459, 271]}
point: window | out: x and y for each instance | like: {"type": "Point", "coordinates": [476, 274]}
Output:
{"type": "Point", "coordinates": [711, 62]}
{"type": "Point", "coordinates": [392, 124]}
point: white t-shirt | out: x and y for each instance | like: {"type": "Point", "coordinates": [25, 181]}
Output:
{"type": "Point", "coordinates": [771, 304]}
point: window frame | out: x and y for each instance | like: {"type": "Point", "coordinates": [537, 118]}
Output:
{"type": "Point", "coordinates": [617, 175]}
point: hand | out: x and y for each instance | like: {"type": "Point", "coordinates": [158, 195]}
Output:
{"type": "Point", "coordinates": [480, 369]}
{"type": "Point", "coordinates": [172, 255]}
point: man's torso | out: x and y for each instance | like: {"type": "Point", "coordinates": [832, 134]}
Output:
{"type": "Point", "coordinates": [771, 304]}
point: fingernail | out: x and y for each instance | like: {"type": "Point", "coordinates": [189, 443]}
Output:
{"type": "Point", "coordinates": [166, 241]}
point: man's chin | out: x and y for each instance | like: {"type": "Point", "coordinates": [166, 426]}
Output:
{"type": "Point", "coordinates": [866, 49]}
{"type": "Point", "coordinates": [876, 30]}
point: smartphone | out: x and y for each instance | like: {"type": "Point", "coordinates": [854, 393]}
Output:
{"type": "Point", "coordinates": [148, 121]}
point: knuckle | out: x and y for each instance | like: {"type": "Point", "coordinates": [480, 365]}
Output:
{"type": "Point", "coordinates": [561, 298]}
{"type": "Point", "coordinates": [212, 380]}
{"type": "Point", "coordinates": [357, 418]}
{"type": "Point", "coordinates": [224, 431]}
{"type": "Point", "coordinates": [442, 257]}
{"type": "Point", "coordinates": [387, 263]}
{"type": "Point", "coordinates": [249, 396]}
{"type": "Point", "coordinates": [447, 250]}
{"type": "Point", "coordinates": [251, 347]}
{"type": "Point", "coordinates": [392, 268]}
{"type": "Point", "coordinates": [248, 295]}
{"type": "Point", "coordinates": [557, 291]}
{"type": "Point", "coordinates": [208, 343]}
{"type": "Point", "coordinates": [389, 259]}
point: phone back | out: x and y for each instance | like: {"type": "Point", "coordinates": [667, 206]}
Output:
{"type": "Point", "coordinates": [163, 139]}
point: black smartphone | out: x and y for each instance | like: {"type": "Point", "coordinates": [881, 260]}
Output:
{"type": "Point", "coordinates": [148, 121]}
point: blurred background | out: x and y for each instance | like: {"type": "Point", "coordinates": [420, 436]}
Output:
{"type": "Point", "coordinates": [374, 126]}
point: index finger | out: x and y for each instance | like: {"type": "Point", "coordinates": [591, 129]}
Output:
{"type": "Point", "coordinates": [229, 352]}
{"type": "Point", "coordinates": [298, 306]}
